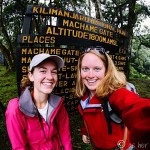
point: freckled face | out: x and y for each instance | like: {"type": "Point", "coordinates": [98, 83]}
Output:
{"type": "Point", "coordinates": [44, 77]}
{"type": "Point", "coordinates": [92, 71]}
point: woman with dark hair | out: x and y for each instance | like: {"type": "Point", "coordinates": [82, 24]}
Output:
{"type": "Point", "coordinates": [38, 120]}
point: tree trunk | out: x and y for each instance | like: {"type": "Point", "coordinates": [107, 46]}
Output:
{"type": "Point", "coordinates": [8, 52]}
{"type": "Point", "coordinates": [98, 11]}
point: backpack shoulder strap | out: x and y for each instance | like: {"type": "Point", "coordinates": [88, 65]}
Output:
{"type": "Point", "coordinates": [131, 87]}
{"type": "Point", "coordinates": [111, 115]}
{"type": "Point", "coordinates": [107, 114]}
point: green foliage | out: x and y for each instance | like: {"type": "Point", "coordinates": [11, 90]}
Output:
{"type": "Point", "coordinates": [142, 85]}
{"type": "Point", "coordinates": [140, 58]}
{"type": "Point", "coordinates": [75, 124]}
{"type": "Point", "coordinates": [8, 85]}
{"type": "Point", "coordinates": [74, 5]}
{"type": "Point", "coordinates": [8, 90]}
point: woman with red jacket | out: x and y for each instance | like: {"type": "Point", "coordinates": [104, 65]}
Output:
{"type": "Point", "coordinates": [102, 87]}
{"type": "Point", "coordinates": [38, 120]}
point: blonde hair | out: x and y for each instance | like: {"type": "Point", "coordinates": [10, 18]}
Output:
{"type": "Point", "coordinates": [112, 81]}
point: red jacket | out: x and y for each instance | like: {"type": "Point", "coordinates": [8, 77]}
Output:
{"type": "Point", "coordinates": [96, 122]}
{"type": "Point", "coordinates": [25, 130]}
{"type": "Point", "coordinates": [133, 111]}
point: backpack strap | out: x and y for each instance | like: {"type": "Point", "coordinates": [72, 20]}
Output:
{"type": "Point", "coordinates": [107, 115]}
{"type": "Point", "coordinates": [110, 115]}
{"type": "Point", "coordinates": [113, 115]}
{"type": "Point", "coordinates": [131, 87]}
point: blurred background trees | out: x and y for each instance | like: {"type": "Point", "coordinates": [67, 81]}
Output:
{"type": "Point", "coordinates": [125, 14]}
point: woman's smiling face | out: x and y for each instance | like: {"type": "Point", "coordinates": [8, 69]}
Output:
{"type": "Point", "coordinates": [44, 77]}
{"type": "Point", "coordinates": [92, 71]}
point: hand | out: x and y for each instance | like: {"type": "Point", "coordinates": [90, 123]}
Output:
{"type": "Point", "coordinates": [86, 139]}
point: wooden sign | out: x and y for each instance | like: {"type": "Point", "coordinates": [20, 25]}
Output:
{"type": "Point", "coordinates": [66, 34]}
